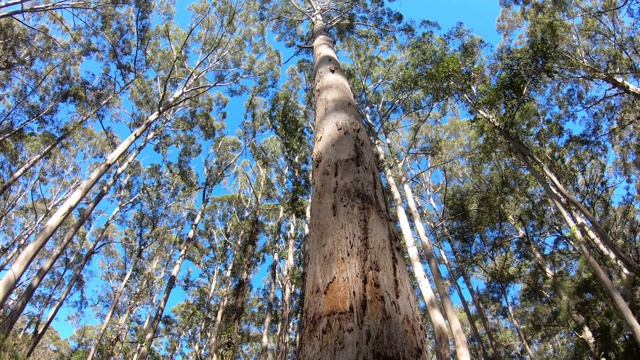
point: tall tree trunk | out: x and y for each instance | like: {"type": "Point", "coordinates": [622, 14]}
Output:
{"type": "Point", "coordinates": [72, 282]}
{"type": "Point", "coordinates": [152, 305]}
{"type": "Point", "coordinates": [199, 353]}
{"type": "Point", "coordinates": [474, 297]}
{"type": "Point", "coordinates": [25, 297]}
{"type": "Point", "coordinates": [598, 271]}
{"type": "Point", "coordinates": [282, 348]}
{"type": "Point", "coordinates": [441, 333]}
{"type": "Point", "coordinates": [459, 338]}
{"type": "Point", "coordinates": [247, 261]}
{"type": "Point", "coordinates": [479, 307]}
{"type": "Point", "coordinates": [8, 282]}
{"type": "Point", "coordinates": [465, 305]}
{"type": "Point", "coordinates": [358, 302]}
{"type": "Point", "coordinates": [213, 336]}
{"type": "Point", "coordinates": [264, 344]}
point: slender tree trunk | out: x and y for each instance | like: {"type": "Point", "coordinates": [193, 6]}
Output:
{"type": "Point", "coordinates": [598, 271]}
{"type": "Point", "coordinates": [459, 338]}
{"type": "Point", "coordinates": [199, 353]}
{"type": "Point", "coordinates": [465, 306]}
{"type": "Point", "coordinates": [243, 287]}
{"type": "Point", "coordinates": [480, 308]}
{"type": "Point", "coordinates": [474, 297]}
{"type": "Point", "coordinates": [8, 282]}
{"type": "Point", "coordinates": [282, 348]}
{"type": "Point", "coordinates": [72, 282]}
{"type": "Point", "coordinates": [152, 305]}
{"type": "Point", "coordinates": [112, 308]}
{"type": "Point", "coordinates": [441, 333]}
{"type": "Point", "coordinates": [516, 324]}
{"type": "Point", "coordinates": [264, 354]}
{"type": "Point", "coordinates": [25, 297]}
{"type": "Point", "coordinates": [264, 344]}
{"type": "Point", "coordinates": [358, 301]}
{"type": "Point", "coordinates": [153, 327]}
{"type": "Point", "coordinates": [213, 336]}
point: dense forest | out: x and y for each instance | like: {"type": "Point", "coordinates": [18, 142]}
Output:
{"type": "Point", "coordinates": [318, 179]}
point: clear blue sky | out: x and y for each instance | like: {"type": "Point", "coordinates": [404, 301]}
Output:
{"type": "Point", "coordinates": [478, 15]}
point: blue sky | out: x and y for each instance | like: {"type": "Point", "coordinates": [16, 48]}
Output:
{"type": "Point", "coordinates": [479, 15]}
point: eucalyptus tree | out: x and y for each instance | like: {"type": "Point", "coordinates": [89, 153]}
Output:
{"type": "Point", "coordinates": [257, 188]}
{"type": "Point", "coordinates": [591, 62]}
{"type": "Point", "coordinates": [26, 295]}
{"type": "Point", "coordinates": [354, 307]}
{"type": "Point", "coordinates": [577, 217]}
{"type": "Point", "coordinates": [77, 280]}
{"type": "Point", "coordinates": [229, 210]}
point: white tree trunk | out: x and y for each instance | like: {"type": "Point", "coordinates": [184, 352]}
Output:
{"type": "Point", "coordinates": [440, 330]}
{"type": "Point", "coordinates": [22, 262]}
{"type": "Point", "coordinates": [25, 297]}
{"type": "Point", "coordinates": [459, 338]}
{"type": "Point", "coordinates": [282, 348]}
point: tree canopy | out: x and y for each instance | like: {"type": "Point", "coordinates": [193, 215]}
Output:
{"type": "Point", "coordinates": [272, 179]}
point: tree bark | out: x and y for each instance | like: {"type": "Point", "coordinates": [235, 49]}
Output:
{"type": "Point", "coordinates": [358, 302]}
{"type": "Point", "coordinates": [440, 330]}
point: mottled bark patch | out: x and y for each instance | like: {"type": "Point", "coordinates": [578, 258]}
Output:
{"type": "Point", "coordinates": [336, 294]}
